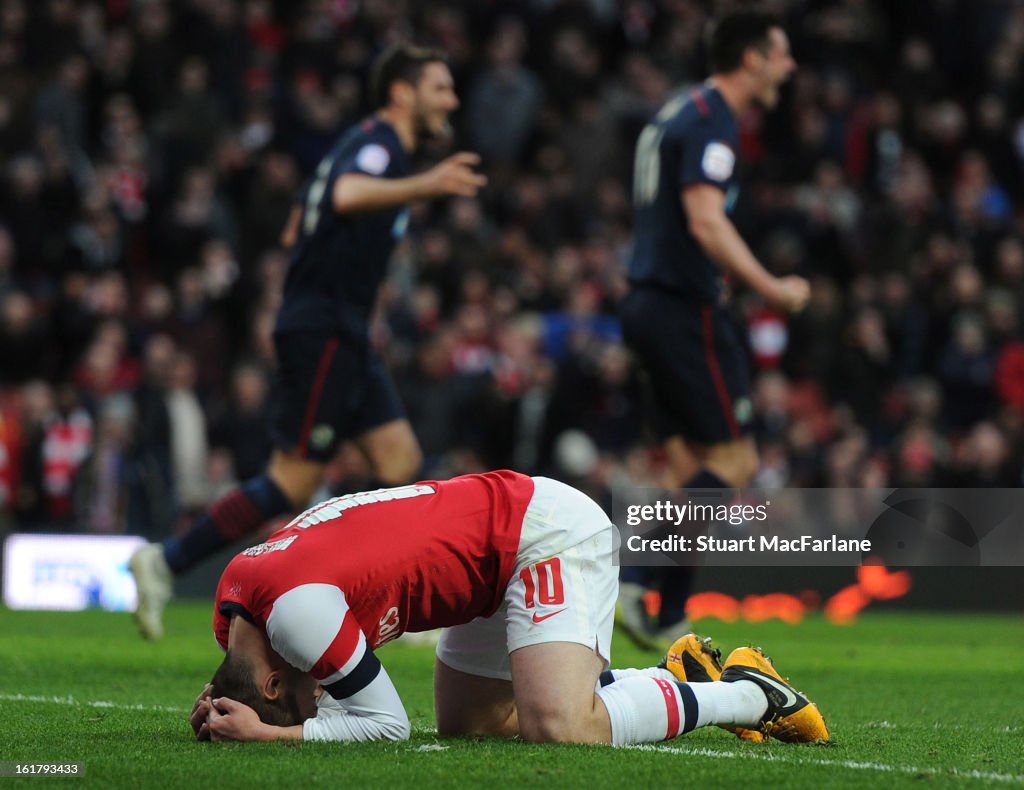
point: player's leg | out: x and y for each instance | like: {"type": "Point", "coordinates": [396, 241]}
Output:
{"type": "Point", "coordinates": [473, 680]}
{"type": "Point", "coordinates": [468, 704]}
{"type": "Point", "coordinates": [727, 464]}
{"type": "Point", "coordinates": [392, 451]}
{"type": "Point", "coordinates": [381, 431]}
{"type": "Point", "coordinates": [560, 611]}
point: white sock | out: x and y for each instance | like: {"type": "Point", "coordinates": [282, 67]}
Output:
{"type": "Point", "coordinates": [739, 702]}
{"type": "Point", "coordinates": [610, 676]}
{"type": "Point", "coordinates": [645, 709]}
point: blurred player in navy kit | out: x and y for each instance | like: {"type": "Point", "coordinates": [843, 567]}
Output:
{"type": "Point", "coordinates": [674, 319]}
{"type": "Point", "coordinates": [331, 384]}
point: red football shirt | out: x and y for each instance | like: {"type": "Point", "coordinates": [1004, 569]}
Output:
{"type": "Point", "coordinates": [359, 570]}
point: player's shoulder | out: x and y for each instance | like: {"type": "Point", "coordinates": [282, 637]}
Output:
{"type": "Point", "coordinates": [372, 146]}
{"type": "Point", "coordinates": [696, 110]}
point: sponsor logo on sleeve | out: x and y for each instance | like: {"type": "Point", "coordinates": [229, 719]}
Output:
{"type": "Point", "coordinates": [718, 161]}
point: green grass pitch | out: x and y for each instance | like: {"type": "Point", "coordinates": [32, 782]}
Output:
{"type": "Point", "coordinates": [912, 699]}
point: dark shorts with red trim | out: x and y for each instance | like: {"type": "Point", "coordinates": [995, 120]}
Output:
{"type": "Point", "coordinates": [696, 366]}
{"type": "Point", "coordinates": [328, 389]}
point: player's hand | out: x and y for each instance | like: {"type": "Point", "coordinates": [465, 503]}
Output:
{"type": "Point", "coordinates": [791, 293]}
{"type": "Point", "coordinates": [229, 720]}
{"type": "Point", "coordinates": [455, 176]}
{"type": "Point", "coordinates": [200, 710]}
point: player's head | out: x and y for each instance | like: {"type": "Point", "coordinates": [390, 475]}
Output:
{"type": "Point", "coordinates": [753, 44]}
{"type": "Point", "coordinates": [415, 81]}
{"type": "Point", "coordinates": [281, 695]}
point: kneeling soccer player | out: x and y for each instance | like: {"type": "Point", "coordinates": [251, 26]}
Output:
{"type": "Point", "coordinates": [518, 571]}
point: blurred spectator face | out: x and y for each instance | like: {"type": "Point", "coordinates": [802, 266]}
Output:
{"type": "Point", "coordinates": [1010, 261]}
{"type": "Point", "coordinates": [13, 17]}
{"type": "Point", "coordinates": [100, 368]}
{"type": "Point", "coordinates": [771, 393]}
{"type": "Point", "coordinates": [435, 357]}
{"type": "Point", "coordinates": [17, 314]}
{"type": "Point", "coordinates": [895, 290]}
{"type": "Point", "coordinates": [506, 48]}
{"type": "Point", "coordinates": [37, 402]}
{"type": "Point", "coordinates": [966, 286]}
{"type": "Point", "coordinates": [614, 364]}
{"type": "Point", "coordinates": [74, 72]}
{"type": "Point", "coordinates": [153, 20]}
{"type": "Point", "coordinates": [250, 388]}
{"type": "Point", "coordinates": [183, 372]}
{"type": "Point", "coordinates": [426, 305]}
{"type": "Point", "coordinates": [986, 447]}
{"type": "Point", "coordinates": [26, 175]}
{"type": "Point", "coordinates": [917, 55]}
{"type": "Point", "coordinates": [109, 295]}
{"type": "Point", "coordinates": [193, 78]}
{"type": "Point", "coordinates": [1001, 312]}
{"type": "Point", "coordinates": [220, 269]}
{"type": "Point", "coordinates": [467, 215]}
{"type": "Point", "coordinates": [911, 190]}
{"type": "Point", "coordinates": [190, 289]}
{"type": "Point", "coordinates": [113, 335]}
{"type": "Point", "coordinates": [159, 355]}
{"type": "Point", "coordinates": [887, 110]}
{"type": "Point", "coordinates": [969, 336]}
{"type": "Point", "coordinates": [991, 113]}
{"type": "Point", "coordinates": [924, 400]}
{"type": "Point", "coordinates": [156, 304]}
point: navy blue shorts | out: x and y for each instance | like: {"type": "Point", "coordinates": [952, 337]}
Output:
{"type": "Point", "coordinates": [699, 385]}
{"type": "Point", "coordinates": [328, 389]}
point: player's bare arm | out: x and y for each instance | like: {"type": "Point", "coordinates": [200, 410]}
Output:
{"type": "Point", "coordinates": [356, 192]}
{"type": "Point", "coordinates": [705, 206]}
{"type": "Point", "coordinates": [290, 233]}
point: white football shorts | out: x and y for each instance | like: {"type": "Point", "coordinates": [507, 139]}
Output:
{"type": "Point", "coordinates": [563, 589]}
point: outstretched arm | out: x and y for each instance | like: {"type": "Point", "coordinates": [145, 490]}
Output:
{"type": "Point", "coordinates": [705, 206]}
{"type": "Point", "coordinates": [355, 192]}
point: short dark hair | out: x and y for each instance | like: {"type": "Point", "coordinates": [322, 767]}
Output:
{"type": "Point", "coordinates": [234, 680]}
{"type": "Point", "coordinates": [399, 63]}
{"type": "Point", "coordinates": [729, 37]}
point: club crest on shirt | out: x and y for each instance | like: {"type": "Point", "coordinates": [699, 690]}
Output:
{"type": "Point", "coordinates": [718, 161]}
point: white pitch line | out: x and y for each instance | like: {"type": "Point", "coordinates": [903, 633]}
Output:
{"type": "Point", "coordinates": [99, 703]}
{"type": "Point", "coordinates": [857, 765]}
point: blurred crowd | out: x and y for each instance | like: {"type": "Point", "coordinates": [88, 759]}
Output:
{"type": "Point", "coordinates": [150, 151]}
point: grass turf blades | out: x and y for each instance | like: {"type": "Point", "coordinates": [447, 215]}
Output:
{"type": "Point", "coordinates": [908, 697]}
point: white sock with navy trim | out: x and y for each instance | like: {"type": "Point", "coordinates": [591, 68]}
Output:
{"type": "Point", "coordinates": [739, 702]}
{"type": "Point", "coordinates": [645, 709]}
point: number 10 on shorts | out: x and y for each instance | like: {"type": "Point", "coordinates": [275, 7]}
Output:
{"type": "Point", "coordinates": [547, 589]}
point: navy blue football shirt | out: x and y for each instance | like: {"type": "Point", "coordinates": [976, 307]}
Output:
{"type": "Point", "coordinates": [339, 260]}
{"type": "Point", "coordinates": [692, 140]}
